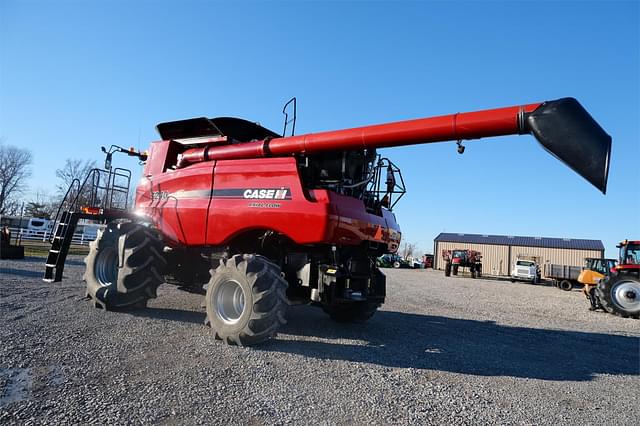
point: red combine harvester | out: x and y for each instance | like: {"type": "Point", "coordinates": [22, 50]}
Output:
{"type": "Point", "coordinates": [619, 292]}
{"type": "Point", "coordinates": [265, 220]}
{"type": "Point", "coordinates": [462, 258]}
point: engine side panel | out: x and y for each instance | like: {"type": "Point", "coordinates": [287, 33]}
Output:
{"type": "Point", "coordinates": [177, 203]}
{"type": "Point", "coordinates": [264, 194]}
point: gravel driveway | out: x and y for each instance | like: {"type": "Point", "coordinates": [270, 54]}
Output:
{"type": "Point", "coordinates": [441, 350]}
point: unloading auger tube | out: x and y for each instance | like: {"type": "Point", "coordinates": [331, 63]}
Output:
{"type": "Point", "coordinates": [563, 127]}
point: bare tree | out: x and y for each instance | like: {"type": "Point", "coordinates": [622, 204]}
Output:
{"type": "Point", "coordinates": [41, 205]}
{"type": "Point", "coordinates": [74, 169]}
{"type": "Point", "coordinates": [407, 250]}
{"type": "Point", "coordinates": [15, 169]}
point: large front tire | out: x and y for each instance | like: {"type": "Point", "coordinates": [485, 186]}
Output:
{"type": "Point", "coordinates": [246, 300]}
{"type": "Point", "coordinates": [124, 266]}
{"type": "Point", "coordinates": [620, 295]}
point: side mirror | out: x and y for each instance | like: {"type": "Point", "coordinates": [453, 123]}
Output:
{"type": "Point", "coordinates": [107, 161]}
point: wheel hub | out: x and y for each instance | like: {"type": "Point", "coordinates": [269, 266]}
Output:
{"type": "Point", "coordinates": [625, 295]}
{"type": "Point", "coordinates": [229, 301]}
{"type": "Point", "coordinates": [106, 266]}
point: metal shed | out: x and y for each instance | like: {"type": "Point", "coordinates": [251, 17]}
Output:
{"type": "Point", "coordinates": [500, 251]}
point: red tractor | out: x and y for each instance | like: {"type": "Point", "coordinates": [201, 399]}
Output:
{"type": "Point", "coordinates": [619, 292]}
{"type": "Point", "coordinates": [263, 220]}
{"type": "Point", "coordinates": [462, 258]}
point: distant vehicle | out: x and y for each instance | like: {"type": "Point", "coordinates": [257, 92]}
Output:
{"type": "Point", "coordinates": [526, 270]}
{"type": "Point", "coordinates": [594, 270]}
{"type": "Point", "coordinates": [39, 226]}
{"type": "Point", "coordinates": [7, 250]}
{"type": "Point", "coordinates": [619, 292]}
{"type": "Point", "coordinates": [462, 258]}
{"type": "Point", "coordinates": [427, 261]}
{"type": "Point", "coordinates": [564, 277]}
{"type": "Point", "coordinates": [392, 261]}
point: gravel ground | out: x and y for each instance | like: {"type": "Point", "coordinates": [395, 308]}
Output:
{"type": "Point", "coordinates": [441, 350]}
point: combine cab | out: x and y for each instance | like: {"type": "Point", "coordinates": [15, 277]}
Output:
{"type": "Point", "coordinates": [265, 219]}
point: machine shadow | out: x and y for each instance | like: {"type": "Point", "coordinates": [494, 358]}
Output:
{"type": "Point", "coordinates": [177, 315]}
{"type": "Point", "coordinates": [481, 348]}
{"type": "Point", "coordinates": [21, 272]}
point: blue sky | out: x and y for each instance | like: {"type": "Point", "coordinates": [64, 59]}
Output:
{"type": "Point", "coordinates": [76, 75]}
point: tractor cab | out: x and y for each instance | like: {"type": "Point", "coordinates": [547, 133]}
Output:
{"type": "Point", "coordinates": [602, 266]}
{"type": "Point", "coordinates": [458, 256]}
{"type": "Point", "coordinates": [595, 269]}
{"type": "Point", "coordinates": [629, 255]}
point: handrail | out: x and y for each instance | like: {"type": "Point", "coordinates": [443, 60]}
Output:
{"type": "Point", "coordinates": [70, 201]}
{"type": "Point", "coordinates": [57, 216]}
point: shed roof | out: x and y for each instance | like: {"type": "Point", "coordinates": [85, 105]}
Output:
{"type": "Point", "coordinates": [512, 240]}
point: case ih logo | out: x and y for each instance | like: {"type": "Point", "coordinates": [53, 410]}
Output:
{"type": "Point", "coordinates": [267, 194]}
{"type": "Point", "coordinates": [254, 193]}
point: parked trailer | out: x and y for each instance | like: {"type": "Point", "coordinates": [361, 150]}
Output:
{"type": "Point", "coordinates": [7, 250]}
{"type": "Point", "coordinates": [564, 277]}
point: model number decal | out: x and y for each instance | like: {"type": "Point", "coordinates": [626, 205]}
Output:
{"type": "Point", "coordinates": [159, 195]}
{"type": "Point", "coordinates": [260, 205]}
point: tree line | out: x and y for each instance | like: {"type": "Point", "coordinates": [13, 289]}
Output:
{"type": "Point", "coordinates": [15, 171]}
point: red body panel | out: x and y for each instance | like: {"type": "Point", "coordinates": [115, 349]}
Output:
{"type": "Point", "coordinates": [181, 214]}
{"type": "Point", "coordinates": [215, 208]}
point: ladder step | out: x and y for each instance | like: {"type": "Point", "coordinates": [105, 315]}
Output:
{"type": "Point", "coordinates": [49, 265]}
{"type": "Point", "coordinates": [54, 251]}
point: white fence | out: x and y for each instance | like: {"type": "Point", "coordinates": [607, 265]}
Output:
{"type": "Point", "coordinates": [79, 237]}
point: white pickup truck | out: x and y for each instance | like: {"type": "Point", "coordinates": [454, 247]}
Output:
{"type": "Point", "coordinates": [525, 270]}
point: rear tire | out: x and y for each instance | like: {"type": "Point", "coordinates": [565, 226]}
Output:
{"type": "Point", "coordinates": [124, 266]}
{"type": "Point", "coordinates": [620, 295]}
{"type": "Point", "coordinates": [396, 264]}
{"type": "Point", "coordinates": [246, 300]}
{"type": "Point", "coordinates": [565, 285]}
{"type": "Point", "coordinates": [352, 312]}
{"type": "Point", "coordinates": [454, 269]}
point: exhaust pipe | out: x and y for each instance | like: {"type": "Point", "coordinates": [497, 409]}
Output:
{"type": "Point", "coordinates": [566, 130]}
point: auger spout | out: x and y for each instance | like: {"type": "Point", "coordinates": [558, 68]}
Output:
{"type": "Point", "coordinates": [563, 127]}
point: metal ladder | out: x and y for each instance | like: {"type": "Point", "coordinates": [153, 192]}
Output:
{"type": "Point", "coordinates": [60, 244]}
